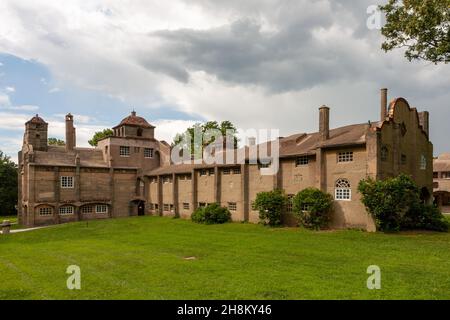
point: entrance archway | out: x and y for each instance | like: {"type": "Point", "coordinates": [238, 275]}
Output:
{"type": "Point", "coordinates": [141, 208]}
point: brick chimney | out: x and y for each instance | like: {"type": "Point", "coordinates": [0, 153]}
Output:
{"type": "Point", "coordinates": [70, 133]}
{"type": "Point", "coordinates": [324, 123]}
{"type": "Point", "coordinates": [424, 120]}
{"type": "Point", "coordinates": [383, 105]}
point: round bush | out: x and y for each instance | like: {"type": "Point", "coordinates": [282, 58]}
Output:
{"type": "Point", "coordinates": [270, 206]}
{"type": "Point", "coordinates": [211, 214]}
{"type": "Point", "coordinates": [312, 207]}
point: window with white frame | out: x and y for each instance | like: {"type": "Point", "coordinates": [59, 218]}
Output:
{"type": "Point", "coordinates": [232, 206]}
{"type": "Point", "coordinates": [148, 152]}
{"type": "Point", "coordinates": [342, 190]}
{"type": "Point", "coordinates": [306, 207]}
{"type": "Point", "coordinates": [211, 172]}
{"type": "Point", "coordinates": [45, 211]}
{"type": "Point", "coordinates": [67, 182]}
{"type": "Point", "coordinates": [237, 170]}
{"type": "Point", "coordinates": [263, 165]}
{"type": "Point", "coordinates": [289, 203]}
{"type": "Point", "coordinates": [101, 208]}
{"type": "Point", "coordinates": [186, 206]}
{"type": "Point", "coordinates": [226, 171]}
{"type": "Point", "coordinates": [345, 156]}
{"type": "Point", "coordinates": [87, 209]}
{"type": "Point", "coordinates": [66, 210]}
{"type": "Point", "coordinates": [124, 151]}
{"type": "Point", "coordinates": [301, 161]}
{"type": "Point", "coordinates": [166, 207]}
{"type": "Point", "coordinates": [423, 162]}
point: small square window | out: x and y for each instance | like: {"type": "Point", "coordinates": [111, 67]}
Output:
{"type": "Point", "coordinates": [66, 182]}
{"type": "Point", "coordinates": [124, 151]}
{"type": "Point", "coordinates": [101, 208]}
{"type": "Point", "coordinates": [186, 206]}
{"type": "Point", "coordinates": [202, 204]}
{"type": "Point", "coordinates": [403, 159]}
{"type": "Point", "coordinates": [301, 161]}
{"type": "Point", "coordinates": [87, 209]}
{"type": "Point", "coordinates": [65, 211]}
{"type": "Point", "coordinates": [346, 156]}
{"type": "Point", "coordinates": [203, 173]}
{"type": "Point", "coordinates": [211, 172]}
{"type": "Point", "coordinates": [232, 206]}
{"type": "Point", "coordinates": [166, 207]}
{"type": "Point", "coordinates": [226, 171]}
{"type": "Point", "coordinates": [45, 211]}
{"type": "Point", "coordinates": [148, 153]}
{"type": "Point", "coordinates": [237, 170]}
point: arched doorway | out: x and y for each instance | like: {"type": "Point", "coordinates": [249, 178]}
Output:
{"type": "Point", "coordinates": [141, 208]}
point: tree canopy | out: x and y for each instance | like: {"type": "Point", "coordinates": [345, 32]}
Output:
{"type": "Point", "coordinates": [8, 185]}
{"type": "Point", "coordinates": [56, 142]}
{"type": "Point", "coordinates": [420, 26]}
{"type": "Point", "coordinates": [204, 131]}
{"type": "Point", "coordinates": [99, 135]}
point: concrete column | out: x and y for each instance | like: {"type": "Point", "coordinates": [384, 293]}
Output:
{"type": "Point", "coordinates": [245, 191]}
{"type": "Point", "coordinates": [383, 104]}
{"type": "Point", "coordinates": [57, 194]}
{"type": "Point", "coordinates": [321, 173]}
{"type": "Point", "coordinates": [194, 190]}
{"type": "Point", "coordinates": [175, 195]}
{"type": "Point", "coordinates": [217, 185]}
{"type": "Point", "coordinates": [111, 212]}
{"type": "Point", "coordinates": [160, 195]}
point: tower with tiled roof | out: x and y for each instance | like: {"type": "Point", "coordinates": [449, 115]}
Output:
{"type": "Point", "coordinates": [135, 127]}
{"type": "Point", "coordinates": [36, 132]}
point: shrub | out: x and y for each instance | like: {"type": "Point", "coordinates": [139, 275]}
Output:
{"type": "Point", "coordinates": [312, 207]}
{"type": "Point", "coordinates": [395, 204]}
{"type": "Point", "coordinates": [270, 206]}
{"type": "Point", "coordinates": [211, 214]}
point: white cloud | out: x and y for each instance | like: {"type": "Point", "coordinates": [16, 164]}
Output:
{"type": "Point", "coordinates": [259, 63]}
{"type": "Point", "coordinates": [167, 129]}
{"type": "Point", "coordinates": [1, 64]}
{"type": "Point", "coordinates": [54, 90]}
{"type": "Point", "coordinates": [10, 89]}
{"type": "Point", "coordinates": [4, 100]}
{"type": "Point", "coordinates": [24, 108]}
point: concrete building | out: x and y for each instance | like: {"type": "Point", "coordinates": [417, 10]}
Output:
{"type": "Point", "coordinates": [441, 182]}
{"type": "Point", "coordinates": [131, 172]}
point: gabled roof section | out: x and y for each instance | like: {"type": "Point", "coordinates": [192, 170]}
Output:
{"type": "Point", "coordinates": [36, 120]}
{"type": "Point", "coordinates": [134, 120]}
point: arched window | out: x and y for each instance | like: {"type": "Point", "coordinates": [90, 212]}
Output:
{"type": "Point", "coordinates": [342, 190]}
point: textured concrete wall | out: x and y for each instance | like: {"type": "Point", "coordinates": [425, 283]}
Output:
{"type": "Point", "coordinates": [231, 191]}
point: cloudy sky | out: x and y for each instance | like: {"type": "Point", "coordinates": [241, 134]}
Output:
{"type": "Point", "coordinates": [258, 63]}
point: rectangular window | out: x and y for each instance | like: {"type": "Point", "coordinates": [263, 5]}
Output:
{"type": "Point", "coordinates": [445, 175]}
{"type": "Point", "coordinates": [403, 159]}
{"type": "Point", "coordinates": [186, 206]}
{"type": "Point", "coordinates": [236, 170]}
{"type": "Point", "coordinates": [435, 175]}
{"type": "Point", "coordinates": [101, 208]}
{"type": "Point", "coordinates": [167, 179]}
{"type": "Point", "coordinates": [87, 209]}
{"type": "Point", "coordinates": [66, 182]}
{"type": "Point", "coordinates": [203, 173]}
{"type": "Point", "coordinates": [124, 151]}
{"type": "Point", "coordinates": [188, 177]}
{"type": "Point", "coordinates": [301, 161]}
{"type": "Point", "coordinates": [156, 206]}
{"type": "Point", "coordinates": [166, 207]}
{"type": "Point", "coordinates": [172, 208]}
{"type": "Point", "coordinates": [202, 204]}
{"type": "Point", "coordinates": [153, 180]}
{"type": "Point", "coordinates": [148, 153]}
{"type": "Point", "coordinates": [289, 203]}
{"type": "Point", "coordinates": [232, 206]}
{"type": "Point", "coordinates": [346, 156]}
{"type": "Point", "coordinates": [343, 194]}
{"type": "Point", "coordinates": [47, 211]}
{"type": "Point", "coordinates": [226, 171]}
{"type": "Point", "coordinates": [211, 172]}
{"type": "Point", "coordinates": [64, 211]}
{"type": "Point", "coordinates": [264, 165]}
{"type": "Point", "coordinates": [423, 162]}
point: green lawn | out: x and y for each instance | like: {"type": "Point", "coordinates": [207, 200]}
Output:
{"type": "Point", "coordinates": [144, 258]}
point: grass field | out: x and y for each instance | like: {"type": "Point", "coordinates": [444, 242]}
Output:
{"type": "Point", "coordinates": [144, 258]}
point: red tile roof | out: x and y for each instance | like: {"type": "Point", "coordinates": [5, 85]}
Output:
{"type": "Point", "coordinates": [134, 120]}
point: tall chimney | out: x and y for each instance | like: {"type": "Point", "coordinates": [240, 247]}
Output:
{"type": "Point", "coordinates": [324, 123]}
{"type": "Point", "coordinates": [383, 105]}
{"type": "Point", "coordinates": [424, 120]}
{"type": "Point", "coordinates": [70, 133]}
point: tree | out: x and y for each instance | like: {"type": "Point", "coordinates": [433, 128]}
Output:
{"type": "Point", "coordinates": [55, 142]}
{"type": "Point", "coordinates": [8, 185]}
{"type": "Point", "coordinates": [420, 26]}
{"type": "Point", "coordinates": [99, 135]}
{"type": "Point", "coordinates": [204, 131]}
{"type": "Point", "coordinates": [270, 206]}
{"type": "Point", "coordinates": [313, 206]}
